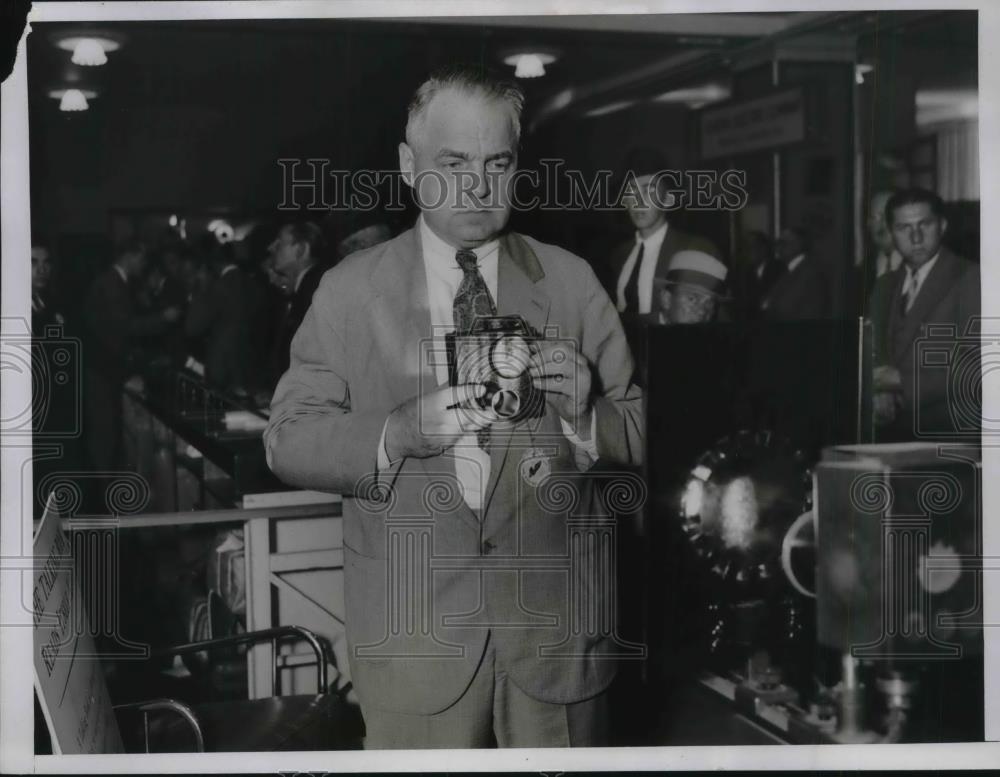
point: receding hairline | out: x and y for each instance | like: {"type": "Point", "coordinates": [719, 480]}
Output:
{"type": "Point", "coordinates": [432, 89]}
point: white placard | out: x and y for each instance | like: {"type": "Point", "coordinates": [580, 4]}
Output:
{"type": "Point", "coordinates": [68, 675]}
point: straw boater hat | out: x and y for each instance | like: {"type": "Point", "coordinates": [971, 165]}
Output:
{"type": "Point", "coordinates": [696, 268]}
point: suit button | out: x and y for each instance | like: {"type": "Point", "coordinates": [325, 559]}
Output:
{"type": "Point", "coordinates": [488, 547]}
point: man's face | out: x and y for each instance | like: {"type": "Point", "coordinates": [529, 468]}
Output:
{"type": "Point", "coordinates": [917, 232]}
{"type": "Point", "coordinates": [274, 278]}
{"type": "Point", "coordinates": [286, 255]}
{"type": "Point", "coordinates": [461, 165]}
{"type": "Point", "coordinates": [687, 304]}
{"type": "Point", "coordinates": [135, 264]}
{"type": "Point", "coordinates": [41, 268]}
{"type": "Point", "coordinates": [877, 228]}
{"type": "Point", "coordinates": [640, 201]}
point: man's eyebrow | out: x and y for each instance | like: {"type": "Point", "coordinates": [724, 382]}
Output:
{"type": "Point", "coordinates": [500, 155]}
{"type": "Point", "coordinates": [446, 152]}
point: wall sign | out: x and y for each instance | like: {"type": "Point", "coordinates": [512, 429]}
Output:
{"type": "Point", "coordinates": [776, 120]}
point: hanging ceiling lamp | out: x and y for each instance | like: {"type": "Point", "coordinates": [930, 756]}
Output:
{"type": "Point", "coordinates": [72, 100]}
{"type": "Point", "coordinates": [88, 51]}
{"type": "Point", "coordinates": [529, 64]}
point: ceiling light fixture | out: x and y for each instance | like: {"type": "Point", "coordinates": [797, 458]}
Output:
{"type": "Point", "coordinates": [696, 96]}
{"type": "Point", "coordinates": [614, 107]}
{"type": "Point", "coordinates": [529, 64]}
{"type": "Point", "coordinates": [73, 100]}
{"type": "Point", "coordinates": [88, 51]}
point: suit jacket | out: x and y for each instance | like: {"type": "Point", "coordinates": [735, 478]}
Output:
{"type": "Point", "coordinates": [111, 325]}
{"type": "Point", "coordinates": [802, 293]}
{"type": "Point", "coordinates": [949, 297]}
{"type": "Point", "coordinates": [751, 289]}
{"type": "Point", "coordinates": [290, 322]}
{"type": "Point", "coordinates": [224, 315]}
{"type": "Point", "coordinates": [675, 240]}
{"type": "Point", "coordinates": [362, 351]}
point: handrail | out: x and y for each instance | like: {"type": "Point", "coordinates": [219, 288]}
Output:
{"type": "Point", "coordinates": [177, 707]}
{"type": "Point", "coordinates": [251, 637]}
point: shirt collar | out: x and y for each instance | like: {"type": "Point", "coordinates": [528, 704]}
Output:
{"type": "Point", "coordinates": [440, 255]}
{"type": "Point", "coordinates": [654, 239]}
{"type": "Point", "coordinates": [796, 262]}
{"type": "Point", "coordinates": [121, 273]}
{"type": "Point", "coordinates": [921, 273]}
{"type": "Point", "coordinates": [228, 268]}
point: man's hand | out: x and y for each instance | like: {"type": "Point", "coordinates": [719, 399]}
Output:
{"type": "Point", "coordinates": [428, 425]}
{"type": "Point", "coordinates": [887, 378]}
{"type": "Point", "coordinates": [564, 375]}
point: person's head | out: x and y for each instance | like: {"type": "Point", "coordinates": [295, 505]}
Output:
{"type": "Point", "coordinates": [462, 133]}
{"type": "Point", "coordinates": [171, 258]}
{"type": "Point", "coordinates": [792, 242]}
{"type": "Point", "coordinates": [132, 258]}
{"type": "Point", "coordinates": [298, 245]}
{"type": "Point", "coordinates": [41, 267]}
{"type": "Point", "coordinates": [878, 230]}
{"type": "Point", "coordinates": [915, 218]}
{"type": "Point", "coordinates": [646, 195]}
{"type": "Point", "coordinates": [693, 287]}
{"type": "Point", "coordinates": [276, 279]}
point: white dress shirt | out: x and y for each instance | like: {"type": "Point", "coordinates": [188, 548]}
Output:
{"type": "Point", "coordinates": [472, 463]}
{"type": "Point", "coordinates": [650, 256]}
{"type": "Point", "coordinates": [914, 280]}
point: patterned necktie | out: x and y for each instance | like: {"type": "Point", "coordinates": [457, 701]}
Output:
{"type": "Point", "coordinates": [472, 300]}
{"type": "Point", "coordinates": [632, 285]}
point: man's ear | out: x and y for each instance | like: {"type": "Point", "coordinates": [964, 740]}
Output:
{"type": "Point", "coordinates": [944, 225]}
{"type": "Point", "coordinates": [406, 163]}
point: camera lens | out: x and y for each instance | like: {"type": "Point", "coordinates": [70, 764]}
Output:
{"type": "Point", "coordinates": [506, 403]}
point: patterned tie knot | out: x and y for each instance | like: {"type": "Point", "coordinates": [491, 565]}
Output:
{"type": "Point", "coordinates": [467, 260]}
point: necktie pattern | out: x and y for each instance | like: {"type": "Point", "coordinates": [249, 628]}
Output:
{"type": "Point", "coordinates": [632, 285]}
{"type": "Point", "coordinates": [472, 300]}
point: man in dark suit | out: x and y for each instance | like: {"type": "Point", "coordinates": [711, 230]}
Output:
{"type": "Point", "coordinates": [756, 273]}
{"type": "Point", "coordinates": [638, 261]}
{"type": "Point", "coordinates": [803, 290]}
{"type": "Point", "coordinates": [112, 325]}
{"type": "Point", "coordinates": [366, 410]}
{"type": "Point", "coordinates": [933, 287]}
{"type": "Point", "coordinates": [296, 261]}
{"type": "Point", "coordinates": [224, 313]}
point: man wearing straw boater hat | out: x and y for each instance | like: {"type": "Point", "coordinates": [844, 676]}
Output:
{"type": "Point", "coordinates": [691, 291]}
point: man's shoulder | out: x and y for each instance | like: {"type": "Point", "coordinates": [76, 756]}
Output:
{"type": "Point", "coordinates": [356, 270]}
{"type": "Point", "coordinates": [557, 261]}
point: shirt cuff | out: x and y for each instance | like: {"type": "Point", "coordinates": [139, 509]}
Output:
{"type": "Point", "coordinates": [585, 451]}
{"type": "Point", "coordinates": [382, 459]}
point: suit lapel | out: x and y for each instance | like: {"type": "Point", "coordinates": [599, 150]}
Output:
{"type": "Point", "coordinates": [935, 287]}
{"type": "Point", "coordinates": [518, 293]}
{"type": "Point", "coordinates": [401, 324]}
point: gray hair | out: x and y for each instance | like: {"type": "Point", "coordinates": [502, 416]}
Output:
{"type": "Point", "coordinates": [471, 80]}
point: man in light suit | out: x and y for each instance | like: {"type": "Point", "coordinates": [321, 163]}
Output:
{"type": "Point", "coordinates": [803, 290]}
{"type": "Point", "coordinates": [491, 657]}
{"type": "Point", "coordinates": [932, 288]}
